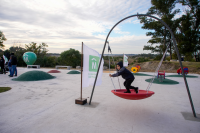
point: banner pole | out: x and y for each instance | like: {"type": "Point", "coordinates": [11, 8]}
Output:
{"type": "Point", "coordinates": [123, 59]}
{"type": "Point", "coordinates": [81, 68]}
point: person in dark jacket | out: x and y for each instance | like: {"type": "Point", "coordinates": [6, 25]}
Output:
{"type": "Point", "coordinates": [10, 66]}
{"type": "Point", "coordinates": [14, 65]}
{"type": "Point", "coordinates": [2, 63]}
{"type": "Point", "coordinates": [127, 75]}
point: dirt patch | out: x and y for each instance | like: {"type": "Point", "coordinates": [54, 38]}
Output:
{"type": "Point", "coordinates": [171, 67]}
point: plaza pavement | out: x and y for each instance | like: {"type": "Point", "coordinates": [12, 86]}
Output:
{"type": "Point", "coordinates": [48, 106]}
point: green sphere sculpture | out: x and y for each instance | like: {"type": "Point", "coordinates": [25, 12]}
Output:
{"type": "Point", "coordinates": [29, 58]}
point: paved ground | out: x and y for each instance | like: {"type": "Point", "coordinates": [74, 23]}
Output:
{"type": "Point", "coordinates": [49, 107]}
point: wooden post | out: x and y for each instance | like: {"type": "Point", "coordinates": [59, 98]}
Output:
{"type": "Point", "coordinates": [81, 100]}
{"type": "Point", "coordinates": [123, 59]}
{"type": "Point", "coordinates": [81, 68]}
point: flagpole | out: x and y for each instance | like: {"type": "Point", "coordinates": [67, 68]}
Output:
{"type": "Point", "coordinates": [81, 68]}
{"type": "Point", "coordinates": [81, 100]}
{"type": "Point", "coordinates": [123, 58]}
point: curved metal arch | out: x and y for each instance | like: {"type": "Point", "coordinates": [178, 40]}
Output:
{"type": "Point", "coordinates": [174, 42]}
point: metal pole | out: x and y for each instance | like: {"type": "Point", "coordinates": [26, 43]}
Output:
{"type": "Point", "coordinates": [81, 68]}
{"type": "Point", "coordinates": [123, 59]}
{"type": "Point", "coordinates": [186, 84]}
{"type": "Point", "coordinates": [188, 91]}
{"type": "Point", "coordinates": [179, 58]}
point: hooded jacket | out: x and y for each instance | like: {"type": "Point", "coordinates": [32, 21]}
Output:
{"type": "Point", "coordinates": [126, 74]}
{"type": "Point", "coordinates": [13, 60]}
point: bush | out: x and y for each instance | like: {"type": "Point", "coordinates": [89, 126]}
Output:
{"type": "Point", "coordinates": [167, 58]}
{"type": "Point", "coordinates": [46, 61]}
{"type": "Point", "coordinates": [106, 64]}
{"type": "Point", "coordinates": [188, 57]}
{"type": "Point", "coordinates": [71, 57]}
{"type": "Point", "coordinates": [174, 56]}
{"type": "Point", "coordinates": [112, 66]}
{"type": "Point", "coordinates": [142, 59]}
{"type": "Point", "coordinates": [105, 57]}
{"type": "Point", "coordinates": [158, 57]}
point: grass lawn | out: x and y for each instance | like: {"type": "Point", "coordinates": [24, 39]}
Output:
{"type": "Point", "coordinates": [3, 89]}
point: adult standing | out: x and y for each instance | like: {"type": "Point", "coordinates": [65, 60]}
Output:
{"type": "Point", "coordinates": [9, 65]}
{"type": "Point", "coordinates": [14, 65]}
{"type": "Point", "coordinates": [2, 61]}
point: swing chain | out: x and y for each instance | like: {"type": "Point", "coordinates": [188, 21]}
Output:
{"type": "Point", "coordinates": [109, 73]}
{"type": "Point", "coordinates": [158, 67]}
{"type": "Point", "coordinates": [114, 65]}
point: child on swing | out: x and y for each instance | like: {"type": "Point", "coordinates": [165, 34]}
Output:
{"type": "Point", "coordinates": [127, 75]}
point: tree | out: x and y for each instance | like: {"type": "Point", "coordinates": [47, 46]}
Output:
{"type": "Point", "coordinates": [15, 49]}
{"type": "Point", "coordinates": [46, 61]}
{"type": "Point", "coordinates": [18, 51]}
{"type": "Point", "coordinates": [159, 34]}
{"type": "Point", "coordinates": [2, 38]}
{"type": "Point", "coordinates": [70, 57]}
{"type": "Point", "coordinates": [189, 29]}
{"type": "Point", "coordinates": [40, 50]}
{"type": "Point", "coordinates": [7, 53]}
{"type": "Point", "coordinates": [1, 53]}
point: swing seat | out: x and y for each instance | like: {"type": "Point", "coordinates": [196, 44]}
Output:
{"type": "Point", "coordinates": [133, 95]}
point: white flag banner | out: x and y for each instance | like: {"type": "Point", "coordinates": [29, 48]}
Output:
{"type": "Point", "coordinates": [125, 61]}
{"type": "Point", "coordinates": [91, 59]}
{"type": "Point", "coordinates": [6, 60]}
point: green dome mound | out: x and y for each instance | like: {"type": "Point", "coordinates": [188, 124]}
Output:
{"type": "Point", "coordinates": [74, 72]}
{"type": "Point", "coordinates": [34, 76]}
{"type": "Point", "coordinates": [165, 81]}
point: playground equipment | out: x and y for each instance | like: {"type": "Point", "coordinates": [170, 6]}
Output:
{"type": "Point", "coordinates": [138, 66]}
{"type": "Point", "coordinates": [161, 75]}
{"type": "Point", "coordinates": [136, 69]}
{"type": "Point", "coordinates": [174, 42]}
{"type": "Point", "coordinates": [53, 71]}
{"type": "Point", "coordinates": [186, 70]}
{"type": "Point", "coordinates": [142, 94]}
{"type": "Point", "coordinates": [132, 96]}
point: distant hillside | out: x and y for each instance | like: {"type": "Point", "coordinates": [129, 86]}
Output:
{"type": "Point", "coordinates": [120, 54]}
{"type": "Point", "coordinates": [53, 54]}
{"type": "Point", "coordinates": [194, 67]}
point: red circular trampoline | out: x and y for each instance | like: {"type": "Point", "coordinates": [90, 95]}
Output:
{"type": "Point", "coordinates": [132, 96]}
{"type": "Point", "coordinates": [53, 71]}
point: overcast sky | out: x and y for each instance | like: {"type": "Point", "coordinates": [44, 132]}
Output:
{"type": "Point", "coordinates": [64, 24]}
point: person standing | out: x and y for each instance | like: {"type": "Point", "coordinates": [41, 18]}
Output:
{"type": "Point", "coordinates": [10, 66]}
{"type": "Point", "coordinates": [14, 65]}
{"type": "Point", "coordinates": [2, 61]}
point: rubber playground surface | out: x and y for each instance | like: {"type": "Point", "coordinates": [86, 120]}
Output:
{"type": "Point", "coordinates": [48, 106]}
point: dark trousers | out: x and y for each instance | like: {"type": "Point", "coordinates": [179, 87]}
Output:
{"type": "Point", "coordinates": [127, 84]}
{"type": "Point", "coordinates": [3, 70]}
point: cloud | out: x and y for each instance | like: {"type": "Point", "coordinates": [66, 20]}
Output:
{"type": "Point", "coordinates": [64, 24]}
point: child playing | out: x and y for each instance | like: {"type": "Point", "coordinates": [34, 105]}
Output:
{"type": "Point", "coordinates": [127, 75]}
